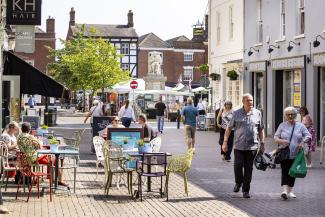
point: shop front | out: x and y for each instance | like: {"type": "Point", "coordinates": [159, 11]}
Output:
{"type": "Point", "coordinates": [319, 64]}
{"type": "Point", "coordinates": [290, 79]}
{"type": "Point", "coordinates": [259, 82]}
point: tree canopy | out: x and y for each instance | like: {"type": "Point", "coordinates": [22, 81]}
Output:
{"type": "Point", "coordinates": [87, 63]}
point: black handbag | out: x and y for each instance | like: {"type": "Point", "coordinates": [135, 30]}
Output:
{"type": "Point", "coordinates": [282, 154]}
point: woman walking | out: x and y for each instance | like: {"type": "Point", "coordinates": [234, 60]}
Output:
{"type": "Point", "coordinates": [295, 135]}
{"type": "Point", "coordinates": [308, 122]}
{"type": "Point", "coordinates": [225, 115]}
{"type": "Point", "coordinates": [126, 114]}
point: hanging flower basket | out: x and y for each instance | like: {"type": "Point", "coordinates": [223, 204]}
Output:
{"type": "Point", "coordinates": [215, 76]}
{"type": "Point", "coordinates": [233, 75]}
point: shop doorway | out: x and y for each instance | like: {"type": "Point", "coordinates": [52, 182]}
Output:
{"type": "Point", "coordinates": [278, 96]}
{"type": "Point", "coordinates": [10, 99]}
{"type": "Point", "coordinates": [322, 103]}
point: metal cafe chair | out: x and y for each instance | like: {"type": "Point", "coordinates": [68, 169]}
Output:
{"type": "Point", "coordinates": [144, 170]}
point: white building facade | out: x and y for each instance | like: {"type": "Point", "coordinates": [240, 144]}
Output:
{"type": "Point", "coordinates": [225, 38]}
{"type": "Point", "coordinates": [283, 65]}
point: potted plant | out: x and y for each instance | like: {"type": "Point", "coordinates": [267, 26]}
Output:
{"type": "Point", "coordinates": [47, 138]}
{"type": "Point", "coordinates": [204, 68]}
{"type": "Point", "coordinates": [143, 148]}
{"type": "Point", "coordinates": [215, 76]}
{"type": "Point", "coordinates": [53, 145]}
{"type": "Point", "coordinates": [232, 74]}
{"type": "Point", "coordinates": [43, 129]}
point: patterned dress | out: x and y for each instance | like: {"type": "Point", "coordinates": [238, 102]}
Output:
{"type": "Point", "coordinates": [308, 122]}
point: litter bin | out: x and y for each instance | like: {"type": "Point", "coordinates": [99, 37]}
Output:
{"type": "Point", "coordinates": [50, 116]}
{"type": "Point", "coordinates": [151, 113]}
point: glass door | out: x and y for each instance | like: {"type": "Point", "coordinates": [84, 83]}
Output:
{"type": "Point", "coordinates": [322, 102]}
{"type": "Point", "coordinates": [259, 91]}
{"type": "Point", "coordinates": [292, 89]}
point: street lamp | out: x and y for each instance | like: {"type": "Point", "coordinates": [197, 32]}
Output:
{"type": "Point", "coordinates": [290, 47]}
{"type": "Point", "coordinates": [250, 52]}
{"type": "Point", "coordinates": [270, 50]}
{"type": "Point", "coordinates": [316, 43]}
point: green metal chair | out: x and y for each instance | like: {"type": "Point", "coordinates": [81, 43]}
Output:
{"type": "Point", "coordinates": [180, 164]}
{"type": "Point", "coordinates": [115, 163]}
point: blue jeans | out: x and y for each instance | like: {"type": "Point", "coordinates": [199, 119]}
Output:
{"type": "Point", "coordinates": [160, 123]}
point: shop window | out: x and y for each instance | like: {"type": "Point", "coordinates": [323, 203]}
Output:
{"type": "Point", "coordinates": [124, 48]}
{"type": "Point", "coordinates": [301, 18]}
{"type": "Point", "coordinates": [283, 19]}
{"type": "Point", "coordinates": [218, 28]}
{"type": "Point", "coordinates": [188, 73]}
{"type": "Point", "coordinates": [188, 57]}
{"type": "Point", "coordinates": [259, 22]}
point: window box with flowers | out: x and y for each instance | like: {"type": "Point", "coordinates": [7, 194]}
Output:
{"type": "Point", "coordinates": [233, 75]}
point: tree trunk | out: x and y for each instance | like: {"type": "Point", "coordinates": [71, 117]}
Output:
{"type": "Point", "coordinates": [84, 101]}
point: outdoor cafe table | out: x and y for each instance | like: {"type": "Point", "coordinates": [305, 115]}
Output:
{"type": "Point", "coordinates": [138, 155]}
{"type": "Point", "coordinates": [57, 155]}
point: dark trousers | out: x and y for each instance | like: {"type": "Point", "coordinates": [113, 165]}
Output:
{"type": "Point", "coordinates": [178, 119]}
{"type": "Point", "coordinates": [230, 143]}
{"type": "Point", "coordinates": [286, 179]}
{"type": "Point", "coordinates": [243, 167]}
{"type": "Point", "coordinates": [126, 122]}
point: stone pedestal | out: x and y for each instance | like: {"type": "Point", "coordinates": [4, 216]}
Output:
{"type": "Point", "coordinates": [155, 82]}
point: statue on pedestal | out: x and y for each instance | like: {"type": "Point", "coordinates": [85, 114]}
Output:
{"type": "Point", "coordinates": [155, 62]}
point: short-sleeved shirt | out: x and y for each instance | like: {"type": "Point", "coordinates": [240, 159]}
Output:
{"type": "Point", "coordinates": [247, 127]}
{"type": "Point", "coordinates": [300, 134]}
{"type": "Point", "coordinates": [190, 113]}
{"type": "Point", "coordinates": [160, 108]}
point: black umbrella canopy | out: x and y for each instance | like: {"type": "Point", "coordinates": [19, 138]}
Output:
{"type": "Point", "coordinates": [32, 80]}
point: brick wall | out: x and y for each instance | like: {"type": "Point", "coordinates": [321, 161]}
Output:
{"type": "Point", "coordinates": [173, 63]}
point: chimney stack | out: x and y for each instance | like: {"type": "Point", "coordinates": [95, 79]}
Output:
{"type": "Point", "coordinates": [72, 21]}
{"type": "Point", "coordinates": [50, 25]}
{"type": "Point", "coordinates": [130, 19]}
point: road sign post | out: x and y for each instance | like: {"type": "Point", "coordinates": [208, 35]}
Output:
{"type": "Point", "coordinates": [134, 85]}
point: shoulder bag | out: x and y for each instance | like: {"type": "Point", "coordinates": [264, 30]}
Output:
{"type": "Point", "coordinates": [282, 154]}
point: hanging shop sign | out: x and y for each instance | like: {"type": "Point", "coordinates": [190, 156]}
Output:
{"type": "Point", "coordinates": [319, 59]}
{"type": "Point", "coordinates": [25, 39]}
{"type": "Point", "coordinates": [24, 12]}
{"type": "Point", "coordinates": [289, 63]}
{"type": "Point", "coordinates": [257, 67]}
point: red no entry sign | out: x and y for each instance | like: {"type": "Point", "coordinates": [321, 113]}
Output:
{"type": "Point", "coordinates": [134, 84]}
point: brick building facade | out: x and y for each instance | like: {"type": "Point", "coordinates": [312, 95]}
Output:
{"type": "Point", "coordinates": [180, 57]}
{"type": "Point", "coordinates": [43, 39]}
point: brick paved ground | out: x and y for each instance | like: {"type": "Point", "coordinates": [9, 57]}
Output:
{"type": "Point", "coordinates": [210, 186]}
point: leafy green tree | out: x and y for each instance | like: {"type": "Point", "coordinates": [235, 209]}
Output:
{"type": "Point", "coordinates": [87, 63]}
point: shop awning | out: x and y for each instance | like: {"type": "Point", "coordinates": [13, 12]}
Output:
{"type": "Point", "coordinates": [32, 80]}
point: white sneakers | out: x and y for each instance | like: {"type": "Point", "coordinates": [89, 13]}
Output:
{"type": "Point", "coordinates": [286, 195]}
{"type": "Point", "coordinates": [309, 165]}
{"type": "Point", "coordinates": [292, 195]}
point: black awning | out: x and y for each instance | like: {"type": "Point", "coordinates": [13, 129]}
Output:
{"type": "Point", "coordinates": [32, 80]}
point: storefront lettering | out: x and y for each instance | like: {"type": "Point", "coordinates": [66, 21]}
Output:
{"type": "Point", "coordinates": [319, 59]}
{"type": "Point", "coordinates": [292, 63]}
{"type": "Point", "coordinates": [257, 67]}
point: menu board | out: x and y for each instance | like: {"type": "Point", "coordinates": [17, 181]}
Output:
{"type": "Point", "coordinates": [121, 135]}
{"type": "Point", "coordinates": [99, 123]}
{"type": "Point", "coordinates": [33, 120]}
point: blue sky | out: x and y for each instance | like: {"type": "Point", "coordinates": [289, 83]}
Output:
{"type": "Point", "coordinates": [166, 18]}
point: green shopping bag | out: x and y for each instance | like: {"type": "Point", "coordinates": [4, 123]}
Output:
{"type": "Point", "coordinates": [298, 168]}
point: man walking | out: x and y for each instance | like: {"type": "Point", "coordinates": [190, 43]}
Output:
{"type": "Point", "coordinates": [160, 113]}
{"type": "Point", "coordinates": [189, 113]}
{"type": "Point", "coordinates": [249, 132]}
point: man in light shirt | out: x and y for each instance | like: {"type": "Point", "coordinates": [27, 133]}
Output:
{"type": "Point", "coordinates": [95, 111]}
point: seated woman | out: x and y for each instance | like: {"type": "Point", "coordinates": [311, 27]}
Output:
{"type": "Point", "coordinates": [148, 133]}
{"type": "Point", "coordinates": [29, 145]}
{"type": "Point", "coordinates": [114, 124]}
{"type": "Point", "coordinates": [9, 135]}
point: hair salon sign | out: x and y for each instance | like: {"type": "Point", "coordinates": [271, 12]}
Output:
{"type": "Point", "coordinates": [24, 12]}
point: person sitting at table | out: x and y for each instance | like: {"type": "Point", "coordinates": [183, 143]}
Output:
{"type": "Point", "coordinates": [114, 124]}
{"type": "Point", "coordinates": [148, 132]}
{"type": "Point", "coordinates": [9, 135]}
{"type": "Point", "coordinates": [29, 145]}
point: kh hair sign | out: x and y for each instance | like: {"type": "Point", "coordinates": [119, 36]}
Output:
{"type": "Point", "coordinates": [24, 12]}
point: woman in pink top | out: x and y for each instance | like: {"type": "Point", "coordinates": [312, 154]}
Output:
{"type": "Point", "coordinates": [308, 122]}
